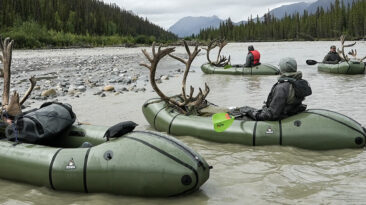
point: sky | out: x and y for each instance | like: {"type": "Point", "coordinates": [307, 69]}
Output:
{"type": "Point", "coordinates": [167, 12]}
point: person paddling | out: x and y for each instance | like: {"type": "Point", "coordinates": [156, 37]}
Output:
{"type": "Point", "coordinates": [332, 57]}
{"type": "Point", "coordinates": [253, 57]}
{"type": "Point", "coordinates": [286, 96]}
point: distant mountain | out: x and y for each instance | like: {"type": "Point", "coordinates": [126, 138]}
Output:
{"type": "Point", "coordinates": [280, 12]}
{"type": "Point", "coordinates": [290, 9]}
{"type": "Point", "coordinates": [325, 4]}
{"type": "Point", "coordinates": [192, 25]}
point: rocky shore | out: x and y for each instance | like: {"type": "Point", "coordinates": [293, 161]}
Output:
{"type": "Point", "coordinates": [70, 74]}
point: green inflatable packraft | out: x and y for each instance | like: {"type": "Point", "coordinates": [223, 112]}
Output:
{"type": "Point", "coordinates": [343, 68]}
{"type": "Point", "coordinates": [138, 163]}
{"type": "Point", "coordinates": [314, 129]}
{"type": "Point", "coordinates": [262, 69]}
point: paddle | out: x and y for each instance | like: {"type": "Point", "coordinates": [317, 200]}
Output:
{"type": "Point", "coordinates": [233, 66]}
{"type": "Point", "coordinates": [311, 62]}
{"type": "Point", "coordinates": [228, 66]}
{"type": "Point", "coordinates": [222, 121]}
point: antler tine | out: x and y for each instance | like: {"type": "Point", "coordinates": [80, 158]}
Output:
{"type": "Point", "coordinates": [177, 58]}
{"type": "Point", "coordinates": [147, 55]}
{"type": "Point", "coordinates": [187, 47]}
{"type": "Point", "coordinates": [353, 53]}
{"type": "Point", "coordinates": [6, 49]}
{"type": "Point", "coordinates": [342, 38]}
{"type": "Point", "coordinates": [362, 59]}
{"type": "Point", "coordinates": [33, 82]}
{"type": "Point", "coordinates": [159, 49]}
{"type": "Point", "coordinates": [196, 51]}
{"type": "Point", "coordinates": [350, 45]}
{"type": "Point", "coordinates": [14, 107]}
{"type": "Point", "coordinates": [153, 50]}
{"type": "Point", "coordinates": [1, 43]}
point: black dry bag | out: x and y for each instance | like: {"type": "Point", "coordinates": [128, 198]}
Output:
{"type": "Point", "coordinates": [47, 122]}
{"type": "Point", "coordinates": [120, 129]}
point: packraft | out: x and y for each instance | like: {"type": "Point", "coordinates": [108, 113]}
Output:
{"type": "Point", "coordinates": [315, 129]}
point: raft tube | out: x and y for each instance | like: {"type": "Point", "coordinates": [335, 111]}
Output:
{"type": "Point", "coordinates": [262, 69]}
{"type": "Point", "coordinates": [139, 163]}
{"type": "Point", "coordinates": [314, 129]}
{"type": "Point", "coordinates": [351, 67]}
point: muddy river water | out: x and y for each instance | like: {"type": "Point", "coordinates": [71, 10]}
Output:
{"type": "Point", "coordinates": [241, 174]}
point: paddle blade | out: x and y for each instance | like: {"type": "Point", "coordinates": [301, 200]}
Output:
{"type": "Point", "coordinates": [311, 62]}
{"type": "Point", "coordinates": [222, 121]}
{"type": "Point", "coordinates": [228, 66]}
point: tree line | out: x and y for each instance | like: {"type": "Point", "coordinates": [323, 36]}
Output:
{"type": "Point", "coordinates": [340, 19]}
{"type": "Point", "coordinates": [81, 20]}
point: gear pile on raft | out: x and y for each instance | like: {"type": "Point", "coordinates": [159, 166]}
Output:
{"type": "Point", "coordinates": [45, 147]}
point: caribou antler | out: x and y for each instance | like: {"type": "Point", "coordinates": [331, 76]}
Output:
{"type": "Point", "coordinates": [6, 48]}
{"type": "Point", "coordinates": [154, 60]}
{"type": "Point", "coordinates": [345, 57]}
{"type": "Point", "coordinates": [188, 100]}
{"type": "Point", "coordinates": [362, 59]}
{"type": "Point", "coordinates": [188, 63]}
{"type": "Point", "coordinates": [14, 106]}
{"type": "Point", "coordinates": [220, 60]}
{"type": "Point", "coordinates": [210, 46]}
{"type": "Point", "coordinates": [33, 82]}
{"type": "Point", "coordinates": [354, 54]}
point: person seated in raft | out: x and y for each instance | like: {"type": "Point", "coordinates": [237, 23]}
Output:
{"type": "Point", "coordinates": [253, 57]}
{"type": "Point", "coordinates": [332, 57]}
{"type": "Point", "coordinates": [286, 96]}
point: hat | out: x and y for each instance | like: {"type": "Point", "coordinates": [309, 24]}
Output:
{"type": "Point", "coordinates": [250, 48]}
{"type": "Point", "coordinates": [288, 65]}
{"type": "Point", "coordinates": [333, 46]}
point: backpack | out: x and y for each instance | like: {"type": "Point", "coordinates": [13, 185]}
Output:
{"type": "Point", "coordinates": [301, 87]}
{"type": "Point", "coordinates": [47, 122]}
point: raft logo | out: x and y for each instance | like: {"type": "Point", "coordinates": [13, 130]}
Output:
{"type": "Point", "coordinates": [269, 130]}
{"type": "Point", "coordinates": [71, 164]}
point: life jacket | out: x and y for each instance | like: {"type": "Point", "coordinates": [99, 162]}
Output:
{"type": "Point", "coordinates": [298, 91]}
{"type": "Point", "coordinates": [256, 57]}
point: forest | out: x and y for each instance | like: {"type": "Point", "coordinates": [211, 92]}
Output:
{"type": "Point", "coordinates": [58, 23]}
{"type": "Point", "coordinates": [340, 19]}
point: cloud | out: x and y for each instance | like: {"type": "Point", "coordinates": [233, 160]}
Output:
{"type": "Point", "coordinates": [166, 12]}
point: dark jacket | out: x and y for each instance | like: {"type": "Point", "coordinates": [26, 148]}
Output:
{"type": "Point", "coordinates": [281, 103]}
{"type": "Point", "coordinates": [332, 58]}
{"type": "Point", "coordinates": [249, 60]}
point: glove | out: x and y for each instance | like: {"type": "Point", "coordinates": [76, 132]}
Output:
{"type": "Point", "coordinates": [252, 114]}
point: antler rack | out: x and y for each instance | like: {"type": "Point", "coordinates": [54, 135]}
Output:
{"type": "Point", "coordinates": [221, 61]}
{"type": "Point", "coordinates": [189, 102]}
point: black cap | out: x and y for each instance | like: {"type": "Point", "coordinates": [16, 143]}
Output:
{"type": "Point", "coordinates": [250, 48]}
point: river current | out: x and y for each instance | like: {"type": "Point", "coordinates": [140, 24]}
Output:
{"type": "Point", "coordinates": [240, 174]}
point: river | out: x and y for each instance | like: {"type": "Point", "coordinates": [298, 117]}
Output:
{"type": "Point", "coordinates": [240, 174]}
